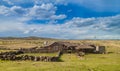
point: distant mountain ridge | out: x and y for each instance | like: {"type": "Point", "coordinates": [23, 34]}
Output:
{"type": "Point", "coordinates": [29, 38]}
{"type": "Point", "coordinates": [46, 38]}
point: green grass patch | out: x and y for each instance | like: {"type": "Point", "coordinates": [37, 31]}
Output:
{"type": "Point", "coordinates": [39, 54]}
{"type": "Point", "coordinates": [71, 62]}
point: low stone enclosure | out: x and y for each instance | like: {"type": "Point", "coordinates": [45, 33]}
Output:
{"type": "Point", "coordinates": [60, 47]}
{"type": "Point", "coordinates": [12, 55]}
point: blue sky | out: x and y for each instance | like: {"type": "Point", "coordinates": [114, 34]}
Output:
{"type": "Point", "coordinates": [64, 19]}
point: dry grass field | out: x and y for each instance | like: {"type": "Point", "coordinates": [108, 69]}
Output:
{"type": "Point", "coordinates": [70, 62]}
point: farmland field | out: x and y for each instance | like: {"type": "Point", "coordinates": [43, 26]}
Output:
{"type": "Point", "coordinates": [69, 62]}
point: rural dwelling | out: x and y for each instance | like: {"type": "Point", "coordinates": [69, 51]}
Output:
{"type": "Point", "coordinates": [68, 47]}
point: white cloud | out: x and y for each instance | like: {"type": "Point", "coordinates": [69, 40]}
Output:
{"type": "Point", "coordinates": [17, 10]}
{"type": "Point", "coordinates": [58, 16]}
{"type": "Point", "coordinates": [47, 6]}
{"type": "Point", "coordinates": [4, 10]}
{"type": "Point", "coordinates": [41, 12]}
{"type": "Point", "coordinates": [12, 11]}
{"type": "Point", "coordinates": [79, 22]}
{"type": "Point", "coordinates": [44, 11]}
{"type": "Point", "coordinates": [110, 24]}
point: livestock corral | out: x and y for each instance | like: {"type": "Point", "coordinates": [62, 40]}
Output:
{"type": "Point", "coordinates": [60, 47]}
{"type": "Point", "coordinates": [59, 55]}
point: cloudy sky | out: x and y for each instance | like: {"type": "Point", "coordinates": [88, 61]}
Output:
{"type": "Point", "coordinates": [65, 19]}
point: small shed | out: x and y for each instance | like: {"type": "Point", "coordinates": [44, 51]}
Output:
{"type": "Point", "coordinates": [100, 49]}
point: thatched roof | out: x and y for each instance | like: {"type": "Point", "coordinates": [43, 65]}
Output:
{"type": "Point", "coordinates": [76, 45]}
{"type": "Point", "coordinates": [84, 47]}
{"type": "Point", "coordinates": [68, 44]}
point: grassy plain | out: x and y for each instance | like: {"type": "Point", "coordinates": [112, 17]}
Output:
{"type": "Point", "coordinates": [70, 62]}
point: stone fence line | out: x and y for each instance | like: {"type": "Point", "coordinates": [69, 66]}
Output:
{"type": "Point", "coordinates": [15, 56]}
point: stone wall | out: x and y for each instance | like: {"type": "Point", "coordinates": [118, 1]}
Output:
{"type": "Point", "coordinates": [13, 57]}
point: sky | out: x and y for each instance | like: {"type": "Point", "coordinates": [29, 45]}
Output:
{"type": "Point", "coordinates": [63, 19]}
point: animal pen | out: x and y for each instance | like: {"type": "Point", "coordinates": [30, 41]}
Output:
{"type": "Point", "coordinates": [59, 47]}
